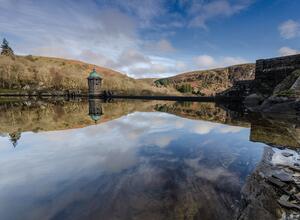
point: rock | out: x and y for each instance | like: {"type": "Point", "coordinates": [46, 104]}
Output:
{"type": "Point", "coordinates": [285, 198]}
{"type": "Point", "coordinates": [287, 154]}
{"type": "Point", "coordinates": [289, 83]}
{"type": "Point", "coordinates": [287, 204]}
{"type": "Point", "coordinates": [296, 85]}
{"type": "Point", "coordinates": [276, 182]}
{"type": "Point", "coordinates": [285, 177]}
{"type": "Point", "coordinates": [253, 100]}
{"type": "Point", "coordinates": [290, 107]}
{"type": "Point", "coordinates": [27, 87]}
{"type": "Point", "coordinates": [297, 196]}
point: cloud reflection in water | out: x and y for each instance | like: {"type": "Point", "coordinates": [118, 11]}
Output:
{"type": "Point", "coordinates": [143, 165]}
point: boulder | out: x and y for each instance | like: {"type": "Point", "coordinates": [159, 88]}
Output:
{"type": "Point", "coordinates": [287, 84]}
{"type": "Point", "coordinates": [26, 87]}
{"type": "Point", "coordinates": [253, 100]}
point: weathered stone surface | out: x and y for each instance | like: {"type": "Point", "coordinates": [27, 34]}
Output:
{"type": "Point", "coordinates": [253, 100]}
{"type": "Point", "coordinates": [287, 154]}
{"type": "Point", "coordinates": [260, 193]}
{"type": "Point", "coordinates": [259, 197]}
{"type": "Point", "coordinates": [287, 83]}
{"type": "Point", "coordinates": [276, 87]}
{"type": "Point", "coordinates": [270, 72]}
{"type": "Point", "coordinates": [288, 204]}
{"type": "Point", "coordinates": [296, 85]}
{"type": "Point", "coordinates": [280, 105]}
{"type": "Point", "coordinates": [284, 177]}
{"type": "Point", "coordinates": [276, 182]}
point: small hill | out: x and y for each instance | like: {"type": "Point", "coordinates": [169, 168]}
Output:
{"type": "Point", "coordinates": [207, 82]}
{"type": "Point", "coordinates": [32, 73]}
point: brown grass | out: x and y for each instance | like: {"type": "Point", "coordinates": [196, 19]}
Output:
{"type": "Point", "coordinates": [45, 73]}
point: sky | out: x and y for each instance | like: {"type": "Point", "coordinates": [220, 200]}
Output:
{"type": "Point", "coordinates": [153, 38]}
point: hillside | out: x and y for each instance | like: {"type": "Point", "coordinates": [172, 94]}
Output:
{"type": "Point", "coordinates": [207, 82]}
{"type": "Point", "coordinates": [33, 73]}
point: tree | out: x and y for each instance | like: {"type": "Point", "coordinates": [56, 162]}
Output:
{"type": "Point", "coordinates": [14, 137]}
{"type": "Point", "coordinates": [185, 88]}
{"type": "Point", "coordinates": [6, 49]}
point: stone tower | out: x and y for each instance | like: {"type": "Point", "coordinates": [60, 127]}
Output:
{"type": "Point", "coordinates": [94, 83]}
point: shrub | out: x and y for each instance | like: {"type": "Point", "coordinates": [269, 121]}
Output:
{"type": "Point", "coordinates": [30, 58]}
{"type": "Point", "coordinates": [185, 88]}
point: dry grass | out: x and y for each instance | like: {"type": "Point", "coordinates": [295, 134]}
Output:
{"type": "Point", "coordinates": [45, 73]}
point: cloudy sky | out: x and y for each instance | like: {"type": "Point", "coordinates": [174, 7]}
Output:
{"type": "Point", "coordinates": [153, 38]}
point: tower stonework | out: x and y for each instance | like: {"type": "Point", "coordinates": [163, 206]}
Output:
{"type": "Point", "coordinates": [95, 109]}
{"type": "Point", "coordinates": [94, 84]}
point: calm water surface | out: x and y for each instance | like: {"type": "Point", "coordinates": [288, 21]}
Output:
{"type": "Point", "coordinates": [126, 160]}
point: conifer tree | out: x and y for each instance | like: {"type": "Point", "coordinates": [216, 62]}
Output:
{"type": "Point", "coordinates": [6, 49]}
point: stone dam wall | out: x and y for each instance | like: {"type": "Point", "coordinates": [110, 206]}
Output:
{"type": "Point", "coordinates": [270, 72]}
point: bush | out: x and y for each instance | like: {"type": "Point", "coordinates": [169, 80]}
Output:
{"type": "Point", "coordinates": [162, 82]}
{"type": "Point", "coordinates": [185, 88]}
{"type": "Point", "coordinates": [30, 58]}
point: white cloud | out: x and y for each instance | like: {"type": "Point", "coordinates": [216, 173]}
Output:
{"type": "Point", "coordinates": [131, 57]}
{"type": "Point", "coordinates": [230, 129]}
{"type": "Point", "coordinates": [156, 67]}
{"type": "Point", "coordinates": [204, 127]}
{"type": "Point", "coordinates": [206, 61]}
{"type": "Point", "coordinates": [228, 61]}
{"type": "Point", "coordinates": [111, 34]}
{"type": "Point", "coordinates": [289, 29]}
{"type": "Point", "coordinates": [202, 12]}
{"type": "Point", "coordinates": [285, 51]}
{"type": "Point", "coordinates": [72, 27]}
{"type": "Point", "coordinates": [165, 46]}
{"type": "Point", "coordinates": [158, 47]}
{"type": "Point", "coordinates": [95, 58]}
{"type": "Point", "coordinates": [146, 10]}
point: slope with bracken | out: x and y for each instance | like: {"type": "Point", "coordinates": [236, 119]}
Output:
{"type": "Point", "coordinates": [208, 82]}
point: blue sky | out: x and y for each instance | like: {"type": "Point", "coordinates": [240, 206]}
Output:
{"type": "Point", "coordinates": [153, 38]}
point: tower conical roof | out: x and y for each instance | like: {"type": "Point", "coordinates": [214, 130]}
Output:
{"type": "Point", "coordinates": [94, 75]}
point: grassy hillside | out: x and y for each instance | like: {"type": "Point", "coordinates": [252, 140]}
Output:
{"type": "Point", "coordinates": [33, 73]}
{"type": "Point", "coordinates": [207, 82]}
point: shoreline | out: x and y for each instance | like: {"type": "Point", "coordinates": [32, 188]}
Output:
{"type": "Point", "coordinates": [149, 97]}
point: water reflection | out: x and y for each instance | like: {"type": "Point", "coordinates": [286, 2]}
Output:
{"type": "Point", "coordinates": [95, 109]}
{"type": "Point", "coordinates": [141, 161]}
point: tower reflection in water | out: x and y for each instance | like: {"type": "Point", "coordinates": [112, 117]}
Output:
{"type": "Point", "coordinates": [95, 109]}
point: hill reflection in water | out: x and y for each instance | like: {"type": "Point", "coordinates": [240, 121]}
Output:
{"type": "Point", "coordinates": [139, 161]}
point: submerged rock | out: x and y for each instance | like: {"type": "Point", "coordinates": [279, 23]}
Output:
{"type": "Point", "coordinates": [273, 190]}
{"type": "Point", "coordinates": [282, 176]}
{"type": "Point", "coordinates": [287, 154]}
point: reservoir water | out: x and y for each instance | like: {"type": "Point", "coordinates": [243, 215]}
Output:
{"type": "Point", "coordinates": [132, 159]}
